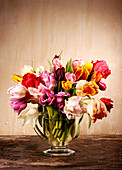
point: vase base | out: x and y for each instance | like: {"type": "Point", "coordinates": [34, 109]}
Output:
{"type": "Point", "coordinates": [57, 151]}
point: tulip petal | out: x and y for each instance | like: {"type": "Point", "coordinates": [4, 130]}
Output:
{"type": "Point", "coordinates": [17, 78]}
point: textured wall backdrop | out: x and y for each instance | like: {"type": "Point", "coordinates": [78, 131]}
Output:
{"type": "Point", "coordinates": [32, 31]}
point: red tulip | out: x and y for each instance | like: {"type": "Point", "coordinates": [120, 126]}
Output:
{"type": "Point", "coordinates": [102, 85]}
{"type": "Point", "coordinates": [108, 103]}
{"type": "Point", "coordinates": [102, 67]}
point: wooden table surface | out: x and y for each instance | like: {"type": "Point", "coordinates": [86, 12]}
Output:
{"type": "Point", "coordinates": [92, 152]}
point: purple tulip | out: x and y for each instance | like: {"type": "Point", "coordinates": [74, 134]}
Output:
{"type": "Point", "coordinates": [47, 97]}
{"type": "Point", "coordinates": [59, 74]}
{"type": "Point", "coordinates": [18, 104]}
{"type": "Point", "coordinates": [60, 99]}
{"type": "Point", "coordinates": [48, 79]}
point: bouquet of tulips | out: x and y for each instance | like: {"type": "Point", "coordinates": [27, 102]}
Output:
{"type": "Point", "coordinates": [61, 92]}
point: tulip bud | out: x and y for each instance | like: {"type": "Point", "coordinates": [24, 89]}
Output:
{"type": "Point", "coordinates": [102, 85]}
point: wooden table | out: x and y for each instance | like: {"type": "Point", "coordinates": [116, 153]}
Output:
{"type": "Point", "coordinates": [92, 152]}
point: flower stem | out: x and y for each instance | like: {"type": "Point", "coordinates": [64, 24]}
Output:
{"type": "Point", "coordinates": [59, 85]}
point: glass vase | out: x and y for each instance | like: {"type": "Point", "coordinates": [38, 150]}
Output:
{"type": "Point", "coordinates": [58, 132]}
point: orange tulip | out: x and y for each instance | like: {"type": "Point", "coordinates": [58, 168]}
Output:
{"type": "Point", "coordinates": [96, 76]}
{"type": "Point", "coordinates": [84, 88]}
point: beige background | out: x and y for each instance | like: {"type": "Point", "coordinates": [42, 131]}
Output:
{"type": "Point", "coordinates": [32, 31]}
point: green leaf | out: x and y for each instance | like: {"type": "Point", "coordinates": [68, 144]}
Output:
{"type": "Point", "coordinates": [69, 67]}
{"type": "Point", "coordinates": [40, 119]}
{"type": "Point", "coordinates": [55, 114]}
{"type": "Point", "coordinates": [81, 118]}
{"type": "Point", "coordinates": [50, 111]}
{"type": "Point", "coordinates": [50, 66]}
{"type": "Point", "coordinates": [60, 53]}
{"type": "Point", "coordinates": [83, 103]}
{"type": "Point", "coordinates": [78, 131]}
{"type": "Point", "coordinates": [72, 132]}
{"type": "Point", "coordinates": [89, 121]}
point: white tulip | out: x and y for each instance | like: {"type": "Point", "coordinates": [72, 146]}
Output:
{"type": "Point", "coordinates": [29, 114]}
{"type": "Point", "coordinates": [26, 69]}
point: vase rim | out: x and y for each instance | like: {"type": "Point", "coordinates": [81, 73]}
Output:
{"type": "Point", "coordinates": [59, 118]}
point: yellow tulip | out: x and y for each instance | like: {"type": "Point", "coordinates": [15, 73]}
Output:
{"type": "Point", "coordinates": [84, 71]}
{"type": "Point", "coordinates": [17, 78]}
{"type": "Point", "coordinates": [89, 66]}
{"type": "Point", "coordinates": [66, 85]}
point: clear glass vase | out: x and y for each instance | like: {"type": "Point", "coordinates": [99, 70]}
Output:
{"type": "Point", "coordinates": [58, 132]}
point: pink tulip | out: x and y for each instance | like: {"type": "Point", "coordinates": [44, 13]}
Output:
{"type": "Point", "coordinates": [77, 63]}
{"type": "Point", "coordinates": [18, 104]}
{"type": "Point", "coordinates": [74, 106]}
{"type": "Point", "coordinates": [60, 99]}
{"type": "Point", "coordinates": [47, 97]}
{"type": "Point", "coordinates": [71, 77]}
{"type": "Point", "coordinates": [102, 67]}
{"type": "Point", "coordinates": [48, 79]}
{"type": "Point", "coordinates": [56, 63]}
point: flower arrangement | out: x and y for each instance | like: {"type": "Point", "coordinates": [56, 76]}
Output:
{"type": "Point", "coordinates": [65, 92]}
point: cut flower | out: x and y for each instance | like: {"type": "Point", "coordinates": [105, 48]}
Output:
{"type": "Point", "coordinates": [108, 103]}
{"type": "Point", "coordinates": [77, 63]}
{"type": "Point", "coordinates": [63, 92]}
{"type": "Point", "coordinates": [66, 85]}
{"type": "Point", "coordinates": [84, 88]}
{"type": "Point", "coordinates": [74, 106]}
{"type": "Point", "coordinates": [102, 67]}
{"type": "Point", "coordinates": [18, 104]}
{"type": "Point", "coordinates": [47, 97]}
{"type": "Point", "coordinates": [60, 99]}
{"type": "Point", "coordinates": [17, 92]}
{"type": "Point", "coordinates": [30, 114]}
{"type": "Point", "coordinates": [96, 109]}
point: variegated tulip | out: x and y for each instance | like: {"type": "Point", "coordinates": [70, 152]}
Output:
{"type": "Point", "coordinates": [66, 85]}
{"type": "Point", "coordinates": [85, 88]}
{"type": "Point", "coordinates": [96, 109]}
{"type": "Point", "coordinates": [17, 92]}
{"type": "Point", "coordinates": [74, 106]}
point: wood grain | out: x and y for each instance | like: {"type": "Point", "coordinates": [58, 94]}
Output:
{"type": "Point", "coordinates": [92, 152]}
